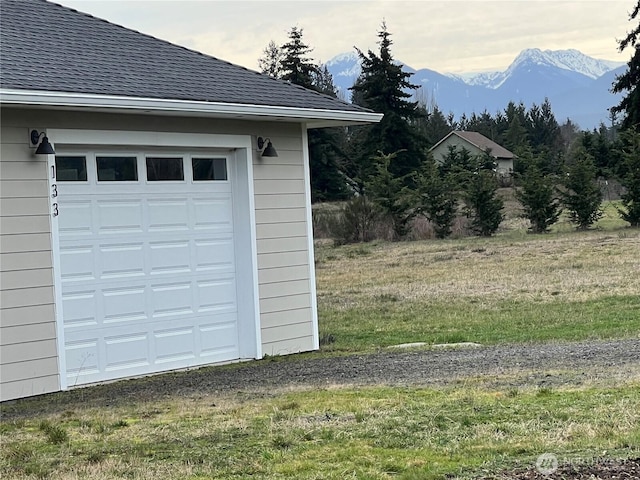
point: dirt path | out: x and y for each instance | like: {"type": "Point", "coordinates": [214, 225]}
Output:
{"type": "Point", "coordinates": [498, 366]}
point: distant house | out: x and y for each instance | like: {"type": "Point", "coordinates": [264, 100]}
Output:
{"type": "Point", "coordinates": [164, 220]}
{"type": "Point", "coordinates": [476, 144]}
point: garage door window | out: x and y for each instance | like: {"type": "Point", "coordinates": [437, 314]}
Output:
{"type": "Point", "coordinates": [117, 169]}
{"type": "Point", "coordinates": [71, 168]}
{"type": "Point", "coordinates": [164, 169]}
{"type": "Point", "coordinates": [209, 169]}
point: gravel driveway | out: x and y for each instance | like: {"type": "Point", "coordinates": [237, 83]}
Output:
{"type": "Point", "coordinates": [498, 366]}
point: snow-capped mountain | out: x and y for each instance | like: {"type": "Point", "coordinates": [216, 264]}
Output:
{"type": "Point", "coordinates": [570, 60]}
{"type": "Point", "coordinates": [578, 86]}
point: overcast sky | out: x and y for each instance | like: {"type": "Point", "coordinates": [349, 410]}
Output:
{"type": "Point", "coordinates": [444, 35]}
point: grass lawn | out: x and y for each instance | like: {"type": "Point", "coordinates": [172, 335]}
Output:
{"type": "Point", "coordinates": [511, 288]}
{"type": "Point", "coordinates": [372, 433]}
{"type": "Point", "coordinates": [514, 287]}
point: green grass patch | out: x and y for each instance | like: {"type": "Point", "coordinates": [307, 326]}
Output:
{"type": "Point", "coordinates": [511, 288]}
{"type": "Point", "coordinates": [380, 323]}
{"type": "Point", "coordinates": [372, 432]}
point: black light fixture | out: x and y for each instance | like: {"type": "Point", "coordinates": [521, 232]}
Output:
{"type": "Point", "coordinates": [44, 148]}
{"type": "Point", "coordinates": [267, 151]}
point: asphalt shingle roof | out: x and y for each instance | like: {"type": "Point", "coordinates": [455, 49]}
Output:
{"type": "Point", "coordinates": [484, 143]}
{"type": "Point", "coordinates": [48, 47]}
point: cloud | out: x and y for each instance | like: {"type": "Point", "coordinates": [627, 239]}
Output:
{"type": "Point", "coordinates": [444, 35]}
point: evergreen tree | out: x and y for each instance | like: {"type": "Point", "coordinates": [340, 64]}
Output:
{"type": "Point", "coordinates": [382, 87]}
{"type": "Point", "coordinates": [291, 63]}
{"type": "Point", "coordinates": [538, 197]}
{"type": "Point", "coordinates": [271, 61]}
{"type": "Point", "coordinates": [629, 82]}
{"type": "Point", "coordinates": [436, 198]}
{"type": "Point", "coordinates": [631, 180]}
{"type": "Point", "coordinates": [483, 205]}
{"type": "Point", "coordinates": [582, 196]}
{"type": "Point", "coordinates": [297, 68]}
{"type": "Point", "coordinates": [390, 194]}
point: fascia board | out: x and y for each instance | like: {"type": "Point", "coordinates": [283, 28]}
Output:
{"type": "Point", "coordinates": [315, 118]}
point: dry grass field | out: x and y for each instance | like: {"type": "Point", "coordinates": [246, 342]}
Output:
{"type": "Point", "coordinates": [510, 288]}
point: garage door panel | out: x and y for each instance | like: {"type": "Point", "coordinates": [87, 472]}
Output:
{"type": "Point", "coordinates": [171, 299]}
{"type": "Point", "coordinates": [121, 260]}
{"type": "Point", "coordinates": [79, 262]}
{"type": "Point", "coordinates": [126, 351]}
{"type": "Point", "coordinates": [83, 359]}
{"type": "Point", "coordinates": [124, 304]}
{"type": "Point", "coordinates": [175, 344]}
{"type": "Point", "coordinates": [119, 217]}
{"type": "Point", "coordinates": [79, 309]}
{"type": "Point", "coordinates": [148, 276]}
{"type": "Point", "coordinates": [170, 257]}
{"type": "Point", "coordinates": [217, 296]}
{"type": "Point", "coordinates": [213, 213]}
{"type": "Point", "coordinates": [168, 214]}
{"type": "Point", "coordinates": [77, 219]}
{"type": "Point", "coordinates": [214, 254]}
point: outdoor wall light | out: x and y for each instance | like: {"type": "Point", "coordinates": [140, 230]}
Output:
{"type": "Point", "coordinates": [267, 151]}
{"type": "Point", "coordinates": [44, 148]}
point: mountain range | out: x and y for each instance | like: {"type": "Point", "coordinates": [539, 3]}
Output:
{"type": "Point", "coordinates": [578, 86]}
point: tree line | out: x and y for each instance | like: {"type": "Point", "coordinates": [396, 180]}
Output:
{"type": "Point", "coordinates": [386, 169]}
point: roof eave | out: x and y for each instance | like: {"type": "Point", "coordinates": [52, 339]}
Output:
{"type": "Point", "coordinates": [313, 118]}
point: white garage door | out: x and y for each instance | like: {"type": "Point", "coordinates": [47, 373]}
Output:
{"type": "Point", "coordinates": [147, 263]}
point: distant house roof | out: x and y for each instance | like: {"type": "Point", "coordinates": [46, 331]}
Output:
{"type": "Point", "coordinates": [46, 47]}
{"type": "Point", "coordinates": [480, 141]}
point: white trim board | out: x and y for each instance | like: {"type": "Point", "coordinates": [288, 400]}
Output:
{"type": "Point", "coordinates": [314, 118]}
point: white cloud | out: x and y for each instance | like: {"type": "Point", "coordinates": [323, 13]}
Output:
{"type": "Point", "coordinates": [444, 35]}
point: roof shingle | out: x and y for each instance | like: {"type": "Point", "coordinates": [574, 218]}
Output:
{"type": "Point", "coordinates": [48, 47]}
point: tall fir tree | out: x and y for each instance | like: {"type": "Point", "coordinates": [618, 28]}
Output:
{"type": "Point", "coordinates": [630, 210]}
{"type": "Point", "coordinates": [297, 67]}
{"type": "Point", "coordinates": [582, 196]}
{"type": "Point", "coordinates": [290, 62]}
{"type": "Point", "coordinates": [271, 61]}
{"type": "Point", "coordinates": [629, 82]}
{"type": "Point", "coordinates": [383, 87]}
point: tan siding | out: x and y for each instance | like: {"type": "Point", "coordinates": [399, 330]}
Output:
{"type": "Point", "coordinates": [11, 207]}
{"type": "Point", "coordinates": [12, 169]}
{"type": "Point", "coordinates": [278, 172]}
{"type": "Point", "coordinates": [287, 317]}
{"type": "Point", "coordinates": [26, 297]}
{"type": "Point", "coordinates": [286, 302]}
{"type": "Point", "coordinates": [35, 314]}
{"type": "Point", "coordinates": [268, 201]}
{"type": "Point", "coordinates": [27, 324]}
{"type": "Point", "coordinates": [289, 345]}
{"type": "Point", "coordinates": [21, 334]}
{"type": "Point", "coordinates": [23, 188]}
{"type": "Point", "coordinates": [32, 242]}
{"type": "Point", "coordinates": [18, 279]}
{"type": "Point", "coordinates": [280, 289]}
{"type": "Point", "coordinates": [282, 259]}
{"type": "Point", "coordinates": [24, 261]}
{"type": "Point", "coordinates": [278, 245]}
{"type": "Point", "coordinates": [29, 369]}
{"type": "Point", "coordinates": [29, 387]}
{"type": "Point", "coordinates": [295, 330]}
{"type": "Point", "coordinates": [281, 215]}
{"type": "Point", "coordinates": [281, 230]}
{"type": "Point", "coordinates": [24, 224]}
{"type": "Point", "coordinates": [278, 186]}
{"type": "Point", "coordinates": [23, 352]}
{"type": "Point", "coordinates": [285, 274]}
